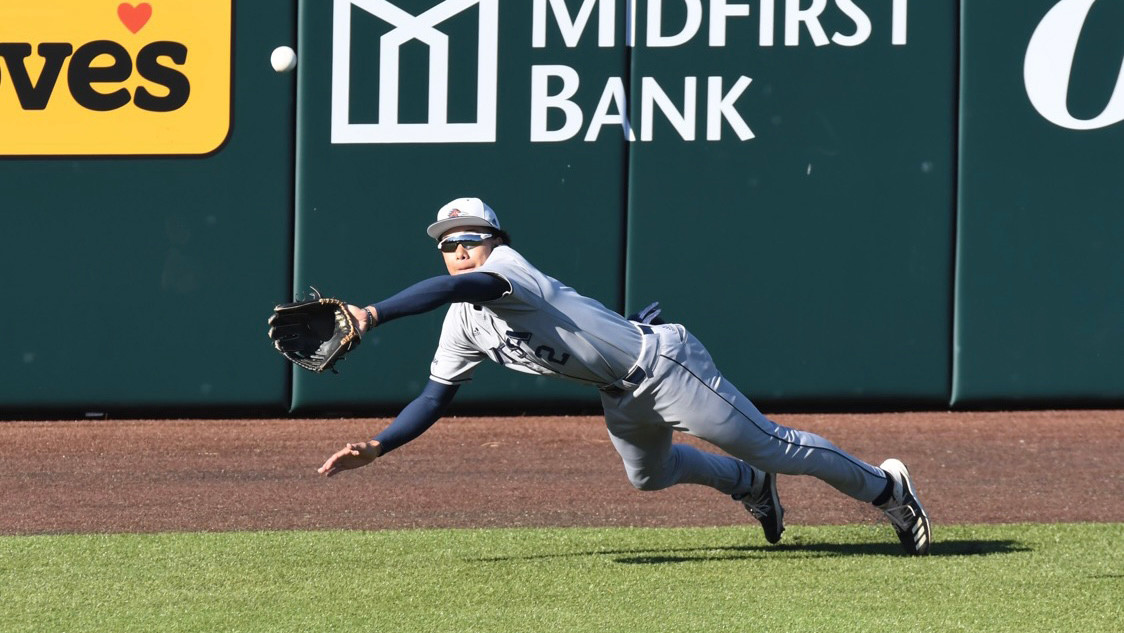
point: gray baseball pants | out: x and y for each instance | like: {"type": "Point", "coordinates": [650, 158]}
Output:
{"type": "Point", "coordinates": [683, 391]}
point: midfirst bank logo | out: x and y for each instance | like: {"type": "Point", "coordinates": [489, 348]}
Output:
{"type": "Point", "coordinates": [104, 77]}
{"type": "Point", "coordinates": [407, 28]}
{"type": "Point", "coordinates": [710, 103]}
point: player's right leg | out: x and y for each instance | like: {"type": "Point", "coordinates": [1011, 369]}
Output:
{"type": "Point", "coordinates": [763, 503]}
{"type": "Point", "coordinates": [653, 462]}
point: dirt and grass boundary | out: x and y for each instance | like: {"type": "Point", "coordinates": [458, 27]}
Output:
{"type": "Point", "coordinates": [259, 474]}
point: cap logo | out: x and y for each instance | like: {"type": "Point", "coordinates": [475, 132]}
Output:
{"type": "Point", "coordinates": [455, 213]}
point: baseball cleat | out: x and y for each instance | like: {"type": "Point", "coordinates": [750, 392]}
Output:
{"type": "Point", "coordinates": [904, 510]}
{"type": "Point", "coordinates": [764, 504]}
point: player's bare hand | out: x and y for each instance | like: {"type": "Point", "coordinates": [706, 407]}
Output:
{"type": "Point", "coordinates": [349, 457]}
{"type": "Point", "coordinates": [363, 316]}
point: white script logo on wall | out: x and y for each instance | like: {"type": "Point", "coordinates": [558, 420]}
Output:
{"type": "Point", "coordinates": [1049, 64]}
{"type": "Point", "coordinates": [713, 103]}
{"type": "Point", "coordinates": [408, 28]}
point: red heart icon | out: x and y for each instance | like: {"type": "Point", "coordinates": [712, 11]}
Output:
{"type": "Point", "coordinates": [134, 18]}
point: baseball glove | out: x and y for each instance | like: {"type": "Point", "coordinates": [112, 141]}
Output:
{"type": "Point", "coordinates": [314, 334]}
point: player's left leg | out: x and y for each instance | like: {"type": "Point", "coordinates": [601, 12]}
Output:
{"type": "Point", "coordinates": [704, 403]}
{"type": "Point", "coordinates": [687, 391]}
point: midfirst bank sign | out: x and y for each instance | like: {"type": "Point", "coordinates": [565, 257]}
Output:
{"type": "Point", "coordinates": [711, 102]}
{"type": "Point", "coordinates": [715, 102]}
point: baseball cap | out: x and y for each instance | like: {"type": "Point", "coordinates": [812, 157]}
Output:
{"type": "Point", "coordinates": [463, 212]}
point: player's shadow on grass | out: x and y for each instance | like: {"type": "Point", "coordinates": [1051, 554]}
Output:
{"type": "Point", "coordinates": [976, 547]}
{"type": "Point", "coordinates": [816, 550]}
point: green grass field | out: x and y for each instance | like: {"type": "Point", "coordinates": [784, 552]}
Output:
{"type": "Point", "coordinates": [983, 578]}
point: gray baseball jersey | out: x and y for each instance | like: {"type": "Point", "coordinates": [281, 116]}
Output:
{"type": "Point", "coordinates": [544, 327]}
{"type": "Point", "coordinates": [540, 326]}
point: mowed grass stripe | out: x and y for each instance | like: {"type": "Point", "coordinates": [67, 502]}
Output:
{"type": "Point", "coordinates": [830, 578]}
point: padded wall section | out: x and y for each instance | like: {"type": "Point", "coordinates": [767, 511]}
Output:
{"type": "Point", "coordinates": [791, 193]}
{"type": "Point", "coordinates": [142, 283]}
{"type": "Point", "coordinates": [1041, 231]}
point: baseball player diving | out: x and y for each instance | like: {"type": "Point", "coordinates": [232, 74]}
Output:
{"type": "Point", "coordinates": [655, 378]}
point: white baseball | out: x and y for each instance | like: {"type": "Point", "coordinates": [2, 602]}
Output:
{"type": "Point", "coordinates": [283, 59]}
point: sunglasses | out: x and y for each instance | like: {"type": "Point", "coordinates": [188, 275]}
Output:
{"type": "Point", "coordinates": [468, 240]}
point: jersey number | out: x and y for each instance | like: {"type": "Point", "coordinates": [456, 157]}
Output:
{"type": "Point", "coordinates": [512, 347]}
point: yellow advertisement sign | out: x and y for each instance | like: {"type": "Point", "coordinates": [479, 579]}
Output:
{"type": "Point", "coordinates": [104, 77]}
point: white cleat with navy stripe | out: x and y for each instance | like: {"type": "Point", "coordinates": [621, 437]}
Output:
{"type": "Point", "coordinates": [905, 512]}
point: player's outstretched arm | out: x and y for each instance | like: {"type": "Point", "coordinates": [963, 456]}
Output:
{"type": "Point", "coordinates": [414, 420]}
{"type": "Point", "coordinates": [430, 294]}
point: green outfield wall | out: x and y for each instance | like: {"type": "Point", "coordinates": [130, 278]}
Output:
{"type": "Point", "coordinates": [141, 250]}
{"type": "Point", "coordinates": [852, 203]}
{"type": "Point", "coordinates": [1040, 248]}
{"type": "Point", "coordinates": [816, 259]}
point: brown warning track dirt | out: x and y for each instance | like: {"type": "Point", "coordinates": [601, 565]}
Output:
{"type": "Point", "coordinates": [208, 475]}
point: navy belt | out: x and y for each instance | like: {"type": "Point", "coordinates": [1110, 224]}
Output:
{"type": "Point", "coordinates": [634, 377]}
